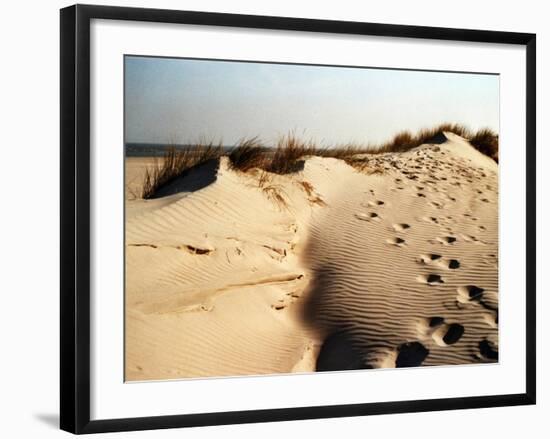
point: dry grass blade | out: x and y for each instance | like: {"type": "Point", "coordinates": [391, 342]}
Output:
{"type": "Point", "coordinates": [277, 194]}
{"type": "Point", "coordinates": [308, 187]}
{"type": "Point", "coordinates": [264, 179]}
{"type": "Point", "coordinates": [273, 191]}
{"type": "Point", "coordinates": [313, 197]}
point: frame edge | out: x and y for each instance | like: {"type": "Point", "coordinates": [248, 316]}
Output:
{"type": "Point", "coordinates": [75, 221]}
{"type": "Point", "coordinates": [531, 218]}
{"type": "Point", "coordinates": [67, 419]}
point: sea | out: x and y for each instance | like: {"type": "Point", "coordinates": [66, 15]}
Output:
{"type": "Point", "coordinates": [157, 149]}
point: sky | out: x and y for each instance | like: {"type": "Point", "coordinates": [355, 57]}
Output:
{"type": "Point", "coordinates": [173, 100]}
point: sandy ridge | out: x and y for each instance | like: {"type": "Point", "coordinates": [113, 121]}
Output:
{"type": "Point", "coordinates": [392, 265]}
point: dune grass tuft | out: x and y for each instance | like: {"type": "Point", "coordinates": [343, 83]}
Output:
{"type": "Point", "coordinates": [289, 153]}
{"type": "Point", "coordinates": [486, 142]}
{"type": "Point", "coordinates": [176, 163]}
{"type": "Point", "coordinates": [405, 141]}
{"type": "Point", "coordinates": [247, 155]}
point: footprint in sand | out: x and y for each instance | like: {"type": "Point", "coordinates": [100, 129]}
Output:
{"type": "Point", "coordinates": [441, 332]}
{"type": "Point", "coordinates": [430, 219]}
{"type": "Point", "coordinates": [426, 326]}
{"type": "Point", "coordinates": [446, 240]}
{"type": "Point", "coordinates": [453, 264]}
{"type": "Point", "coordinates": [411, 354]}
{"type": "Point", "coordinates": [489, 300]}
{"type": "Point", "coordinates": [487, 350]}
{"type": "Point", "coordinates": [429, 258]}
{"type": "Point", "coordinates": [473, 295]}
{"type": "Point", "coordinates": [288, 300]}
{"type": "Point", "coordinates": [491, 318]}
{"type": "Point", "coordinates": [435, 321]}
{"type": "Point", "coordinates": [469, 293]}
{"type": "Point", "coordinates": [376, 203]}
{"type": "Point", "coordinates": [430, 279]}
{"type": "Point", "coordinates": [400, 227]}
{"type": "Point", "coordinates": [447, 335]}
{"type": "Point", "coordinates": [438, 260]}
{"type": "Point", "coordinates": [370, 216]}
{"type": "Point", "coordinates": [400, 242]}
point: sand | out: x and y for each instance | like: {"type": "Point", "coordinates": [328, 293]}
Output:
{"type": "Point", "coordinates": [328, 268]}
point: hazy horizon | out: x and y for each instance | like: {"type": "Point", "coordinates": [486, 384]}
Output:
{"type": "Point", "coordinates": [172, 100]}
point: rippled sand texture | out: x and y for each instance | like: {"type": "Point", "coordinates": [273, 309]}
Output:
{"type": "Point", "coordinates": [393, 266]}
{"type": "Point", "coordinates": [405, 265]}
{"type": "Point", "coordinates": [210, 279]}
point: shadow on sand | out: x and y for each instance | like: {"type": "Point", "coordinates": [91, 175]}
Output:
{"type": "Point", "coordinates": [340, 350]}
{"type": "Point", "coordinates": [347, 346]}
{"type": "Point", "coordinates": [197, 178]}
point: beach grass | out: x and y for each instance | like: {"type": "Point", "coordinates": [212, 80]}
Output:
{"type": "Point", "coordinates": [486, 141]}
{"type": "Point", "coordinates": [290, 151]}
{"type": "Point", "coordinates": [248, 154]}
{"type": "Point", "coordinates": [176, 163]}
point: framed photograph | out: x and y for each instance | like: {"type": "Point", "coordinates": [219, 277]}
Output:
{"type": "Point", "coordinates": [273, 218]}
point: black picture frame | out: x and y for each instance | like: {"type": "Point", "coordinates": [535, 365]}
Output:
{"type": "Point", "coordinates": [75, 217]}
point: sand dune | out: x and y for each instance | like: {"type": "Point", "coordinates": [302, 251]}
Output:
{"type": "Point", "coordinates": [327, 268]}
{"type": "Point", "coordinates": [425, 272]}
